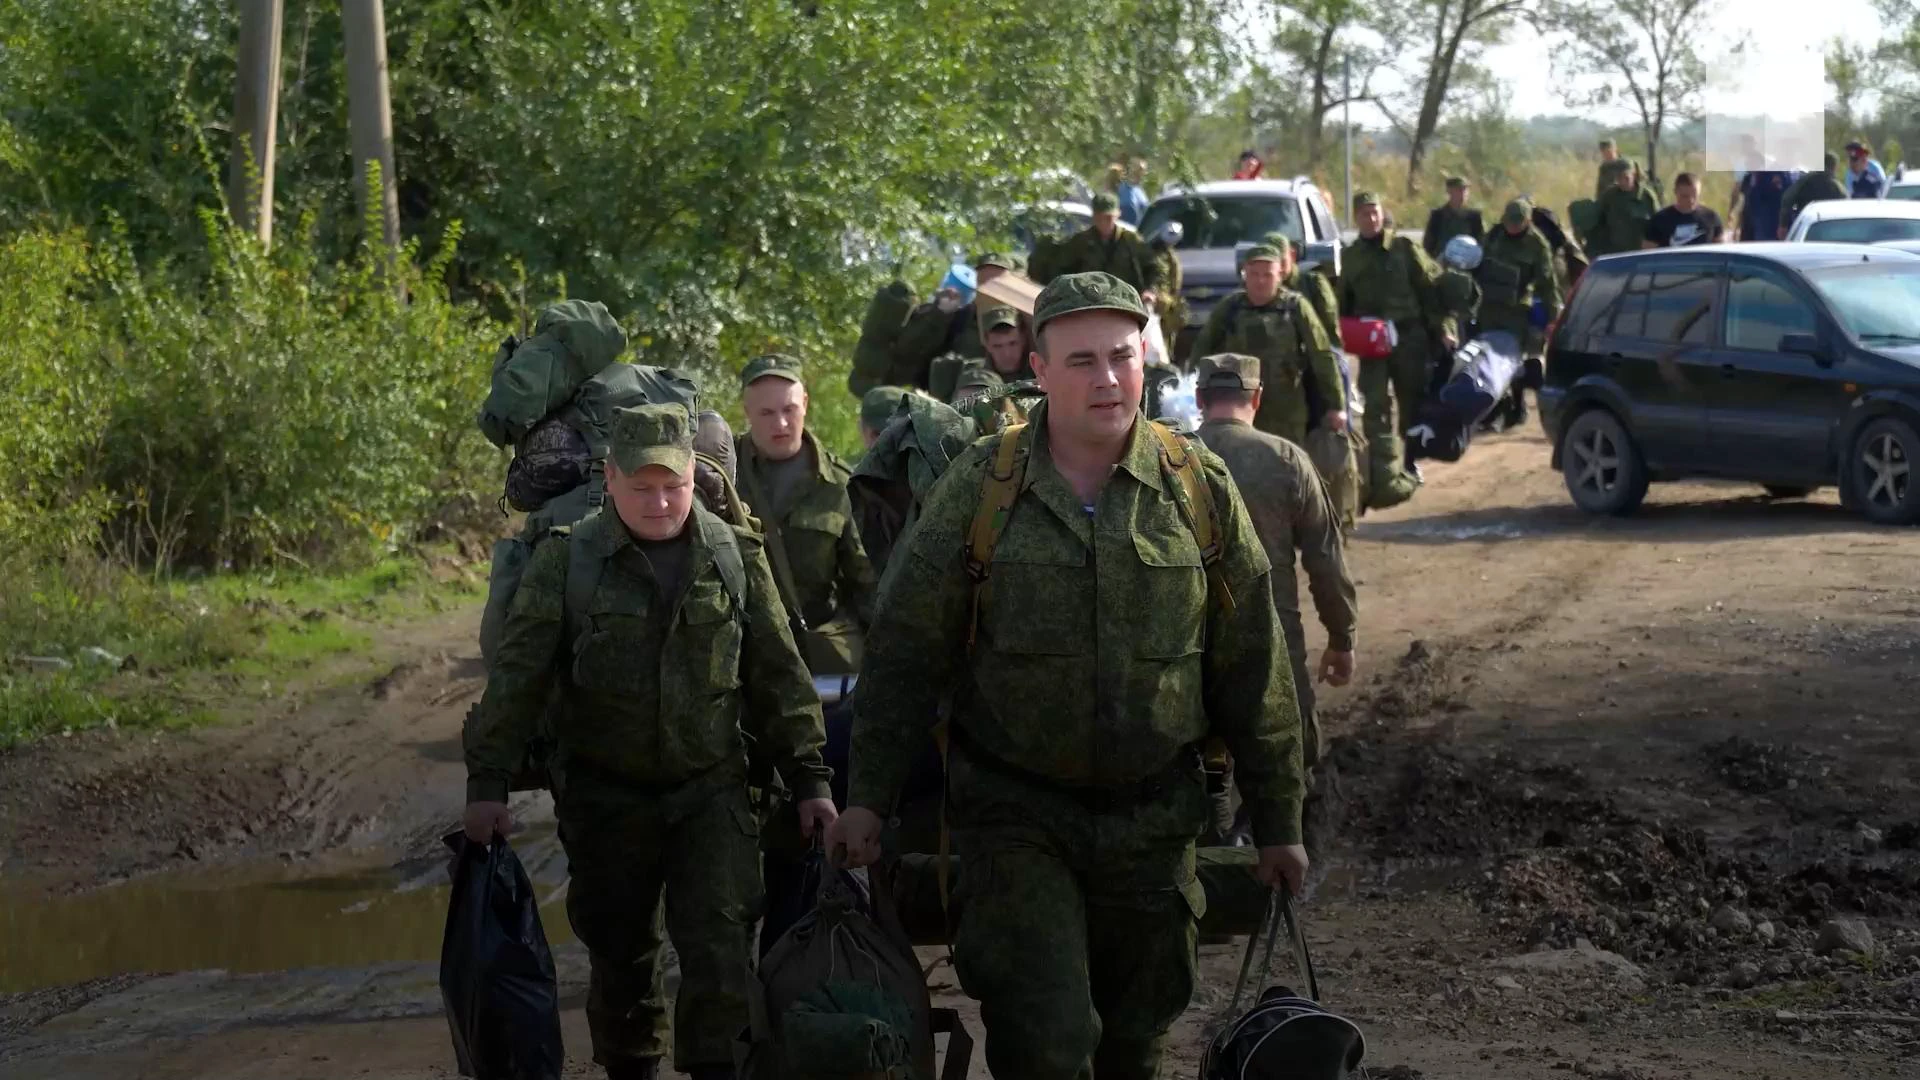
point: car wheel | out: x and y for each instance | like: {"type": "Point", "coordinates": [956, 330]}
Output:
{"type": "Point", "coordinates": [1882, 466]}
{"type": "Point", "coordinates": [1602, 466]}
{"type": "Point", "coordinates": [1786, 491]}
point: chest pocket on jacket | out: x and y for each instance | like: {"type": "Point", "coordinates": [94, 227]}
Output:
{"type": "Point", "coordinates": [1170, 601]}
{"type": "Point", "coordinates": [611, 657]}
{"type": "Point", "coordinates": [713, 635]}
{"type": "Point", "coordinates": [1040, 598]}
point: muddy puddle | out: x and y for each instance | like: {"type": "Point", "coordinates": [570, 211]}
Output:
{"type": "Point", "coordinates": [250, 919]}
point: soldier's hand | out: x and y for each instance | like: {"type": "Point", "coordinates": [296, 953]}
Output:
{"type": "Point", "coordinates": [1450, 341]}
{"type": "Point", "coordinates": [1283, 866]}
{"type": "Point", "coordinates": [485, 819]}
{"type": "Point", "coordinates": [816, 817]}
{"type": "Point", "coordinates": [1336, 668]}
{"type": "Point", "coordinates": [1336, 420]}
{"type": "Point", "coordinates": [858, 832]}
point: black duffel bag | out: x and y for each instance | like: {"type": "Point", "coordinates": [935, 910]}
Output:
{"type": "Point", "coordinates": [1284, 1036]}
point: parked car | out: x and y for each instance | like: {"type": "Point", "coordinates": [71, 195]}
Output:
{"type": "Point", "coordinates": [1222, 220]}
{"type": "Point", "coordinates": [1904, 189]}
{"type": "Point", "coordinates": [1857, 221]}
{"type": "Point", "coordinates": [1792, 366]}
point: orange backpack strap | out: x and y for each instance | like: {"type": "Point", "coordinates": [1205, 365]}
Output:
{"type": "Point", "coordinates": [1181, 464]}
{"type": "Point", "coordinates": [997, 497]}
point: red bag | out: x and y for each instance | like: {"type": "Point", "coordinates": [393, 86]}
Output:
{"type": "Point", "coordinates": [1368, 339]}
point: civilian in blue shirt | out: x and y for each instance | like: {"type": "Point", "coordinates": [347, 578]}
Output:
{"type": "Point", "coordinates": [1132, 193]}
{"type": "Point", "coordinates": [1865, 178]}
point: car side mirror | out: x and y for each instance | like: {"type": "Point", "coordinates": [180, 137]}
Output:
{"type": "Point", "coordinates": [1806, 345]}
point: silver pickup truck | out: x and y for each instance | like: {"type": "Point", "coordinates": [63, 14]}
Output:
{"type": "Point", "coordinates": [1220, 221]}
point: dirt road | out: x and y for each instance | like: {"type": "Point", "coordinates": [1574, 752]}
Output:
{"type": "Point", "coordinates": [1614, 793]}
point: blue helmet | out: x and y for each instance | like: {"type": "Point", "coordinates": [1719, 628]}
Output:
{"type": "Point", "coordinates": [1461, 253]}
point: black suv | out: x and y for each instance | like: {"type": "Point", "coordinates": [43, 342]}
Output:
{"type": "Point", "coordinates": [1793, 366]}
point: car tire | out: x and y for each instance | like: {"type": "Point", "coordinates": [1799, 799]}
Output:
{"type": "Point", "coordinates": [1787, 491]}
{"type": "Point", "coordinates": [1602, 466]}
{"type": "Point", "coordinates": [1880, 472]}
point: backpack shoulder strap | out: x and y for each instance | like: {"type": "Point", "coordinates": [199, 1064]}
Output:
{"type": "Point", "coordinates": [583, 577]}
{"type": "Point", "coordinates": [997, 495]}
{"type": "Point", "coordinates": [723, 540]}
{"type": "Point", "coordinates": [1179, 461]}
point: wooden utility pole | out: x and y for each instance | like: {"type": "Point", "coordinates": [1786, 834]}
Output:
{"type": "Point", "coordinates": [256, 111]}
{"type": "Point", "coordinates": [369, 111]}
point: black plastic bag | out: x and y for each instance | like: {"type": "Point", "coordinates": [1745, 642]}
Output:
{"type": "Point", "coordinates": [496, 971]}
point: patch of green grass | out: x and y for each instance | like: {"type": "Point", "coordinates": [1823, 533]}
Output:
{"type": "Point", "coordinates": [261, 627]}
{"type": "Point", "coordinates": [1790, 995]}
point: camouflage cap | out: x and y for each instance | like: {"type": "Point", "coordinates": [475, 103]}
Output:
{"type": "Point", "coordinates": [779, 365]}
{"type": "Point", "coordinates": [651, 435]}
{"type": "Point", "coordinates": [877, 405]}
{"type": "Point", "coordinates": [1456, 182]}
{"type": "Point", "coordinates": [1071, 294]}
{"type": "Point", "coordinates": [978, 377]}
{"type": "Point", "coordinates": [1615, 167]}
{"type": "Point", "coordinates": [1365, 198]}
{"type": "Point", "coordinates": [1003, 260]}
{"type": "Point", "coordinates": [1229, 371]}
{"type": "Point", "coordinates": [996, 318]}
{"type": "Point", "coordinates": [1518, 212]}
{"type": "Point", "coordinates": [1105, 203]}
{"type": "Point", "coordinates": [1266, 251]}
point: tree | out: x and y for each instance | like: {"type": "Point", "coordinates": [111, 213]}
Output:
{"type": "Point", "coordinates": [1455, 31]}
{"type": "Point", "coordinates": [1648, 46]}
{"type": "Point", "coordinates": [1848, 69]}
{"type": "Point", "coordinates": [1317, 36]}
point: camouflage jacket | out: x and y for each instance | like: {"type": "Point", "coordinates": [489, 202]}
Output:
{"type": "Point", "coordinates": [821, 536]}
{"type": "Point", "coordinates": [656, 689]}
{"type": "Point", "coordinates": [1287, 337]}
{"type": "Point", "coordinates": [1514, 271]}
{"type": "Point", "coordinates": [1460, 295]}
{"type": "Point", "coordinates": [1321, 297]}
{"type": "Point", "coordinates": [1291, 512]}
{"type": "Point", "coordinates": [1126, 257]}
{"type": "Point", "coordinates": [1621, 222]}
{"type": "Point", "coordinates": [1389, 277]}
{"type": "Point", "coordinates": [1100, 656]}
{"type": "Point", "coordinates": [1445, 223]}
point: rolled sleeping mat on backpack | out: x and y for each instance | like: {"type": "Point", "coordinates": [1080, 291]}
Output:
{"type": "Point", "coordinates": [879, 331]}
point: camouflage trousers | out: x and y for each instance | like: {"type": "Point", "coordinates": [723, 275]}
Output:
{"type": "Point", "coordinates": [1078, 918]}
{"type": "Point", "coordinates": [1394, 387]}
{"type": "Point", "coordinates": [699, 845]}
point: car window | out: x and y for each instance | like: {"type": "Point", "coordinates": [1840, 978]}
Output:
{"type": "Point", "coordinates": [1324, 221]}
{"type": "Point", "coordinates": [1904, 191]}
{"type": "Point", "coordinates": [1680, 305]}
{"type": "Point", "coordinates": [1761, 309]}
{"type": "Point", "coordinates": [1864, 230]}
{"type": "Point", "coordinates": [1224, 223]}
{"type": "Point", "coordinates": [1628, 314]}
{"type": "Point", "coordinates": [1877, 302]}
{"type": "Point", "coordinates": [1593, 304]}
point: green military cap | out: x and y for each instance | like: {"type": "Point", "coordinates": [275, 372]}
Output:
{"type": "Point", "coordinates": [1456, 182]}
{"type": "Point", "coordinates": [1365, 198]}
{"type": "Point", "coordinates": [997, 317]}
{"type": "Point", "coordinates": [1071, 294]}
{"type": "Point", "coordinates": [651, 435]}
{"type": "Point", "coordinates": [978, 377]}
{"type": "Point", "coordinates": [1105, 203]}
{"type": "Point", "coordinates": [1616, 167]}
{"type": "Point", "coordinates": [778, 365]}
{"type": "Point", "coordinates": [1519, 212]}
{"type": "Point", "coordinates": [878, 404]}
{"type": "Point", "coordinates": [1001, 259]}
{"type": "Point", "coordinates": [1265, 251]}
{"type": "Point", "coordinates": [1229, 371]}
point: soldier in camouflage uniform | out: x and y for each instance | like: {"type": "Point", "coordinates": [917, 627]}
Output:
{"type": "Point", "coordinates": [1107, 248]}
{"type": "Point", "coordinates": [1095, 659]}
{"type": "Point", "coordinates": [1455, 218]}
{"type": "Point", "coordinates": [1280, 327]}
{"type": "Point", "coordinates": [1516, 268]}
{"type": "Point", "coordinates": [1621, 219]}
{"type": "Point", "coordinates": [876, 408]}
{"type": "Point", "coordinates": [659, 626]}
{"type": "Point", "coordinates": [1603, 180]}
{"type": "Point", "coordinates": [1291, 513]}
{"type": "Point", "coordinates": [798, 490]}
{"type": "Point", "coordinates": [1387, 276]}
{"type": "Point", "coordinates": [1334, 452]}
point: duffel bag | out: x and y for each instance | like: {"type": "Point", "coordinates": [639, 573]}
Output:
{"type": "Point", "coordinates": [1368, 338]}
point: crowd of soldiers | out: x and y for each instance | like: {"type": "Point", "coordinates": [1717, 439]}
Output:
{"type": "Point", "coordinates": [1098, 611]}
